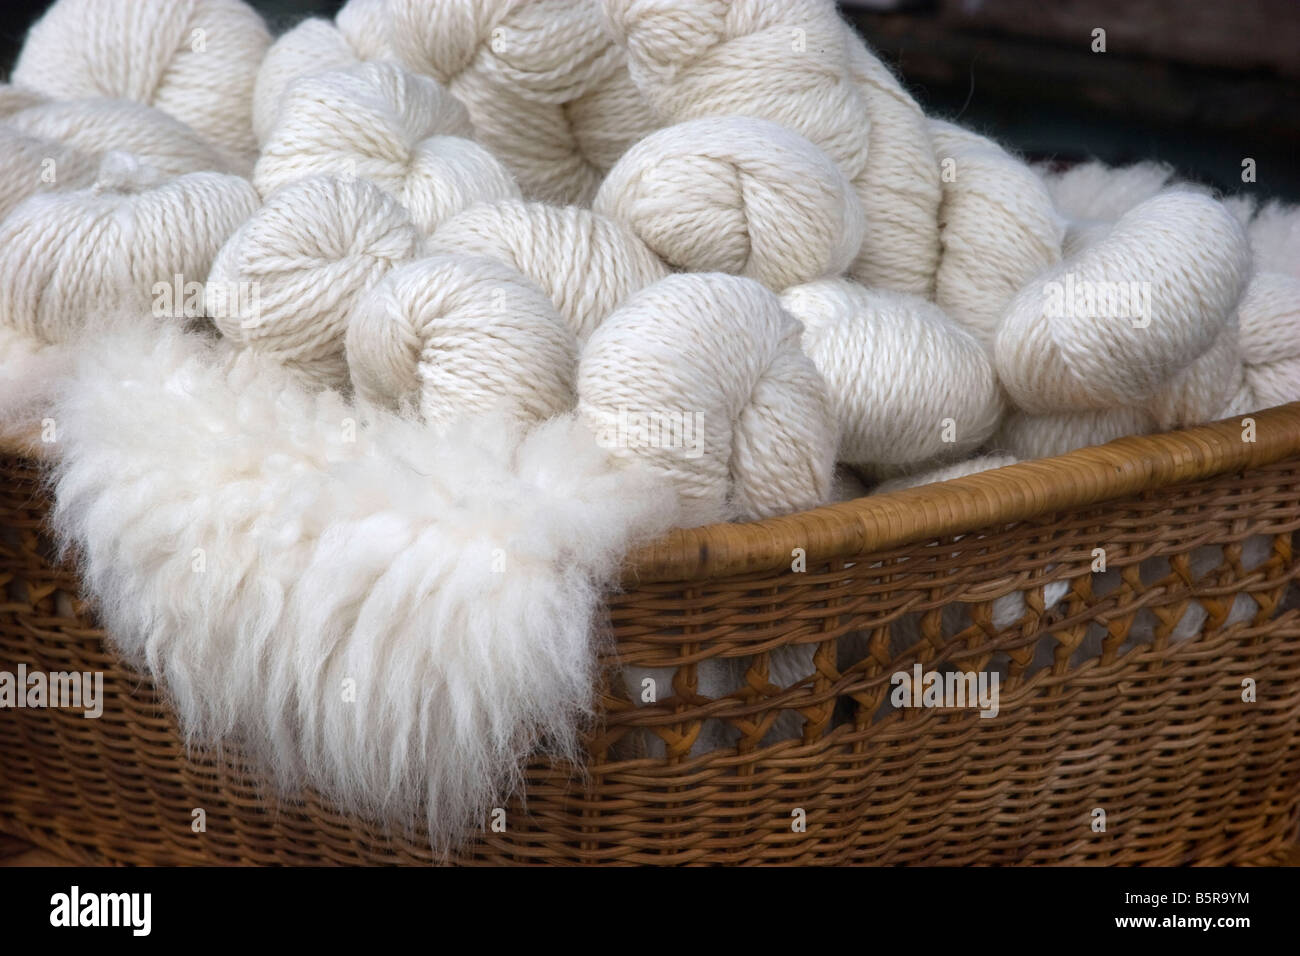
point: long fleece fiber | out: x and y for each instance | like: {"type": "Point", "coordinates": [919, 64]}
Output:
{"type": "Point", "coordinates": [393, 616]}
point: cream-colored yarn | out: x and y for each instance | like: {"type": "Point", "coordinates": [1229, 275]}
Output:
{"type": "Point", "coordinates": [908, 385]}
{"type": "Point", "coordinates": [311, 252]}
{"type": "Point", "coordinates": [100, 126]}
{"type": "Point", "coordinates": [1214, 386]}
{"type": "Point", "coordinates": [902, 193]}
{"type": "Point", "coordinates": [794, 62]}
{"type": "Point", "coordinates": [740, 195]}
{"type": "Point", "coordinates": [194, 59]}
{"type": "Point", "coordinates": [451, 335]}
{"type": "Point", "coordinates": [1027, 436]}
{"type": "Point", "coordinates": [700, 377]}
{"type": "Point", "coordinates": [971, 466]}
{"type": "Point", "coordinates": [59, 145]}
{"type": "Point", "coordinates": [1191, 255]}
{"type": "Point", "coordinates": [585, 262]}
{"type": "Point", "coordinates": [384, 124]}
{"type": "Point", "coordinates": [998, 228]}
{"type": "Point", "coordinates": [547, 89]}
{"type": "Point", "coordinates": [1269, 340]}
{"type": "Point", "coordinates": [66, 257]}
{"type": "Point", "coordinates": [358, 33]}
{"type": "Point", "coordinates": [32, 164]}
{"type": "Point", "coordinates": [14, 98]}
{"type": "Point", "coordinates": [1268, 314]}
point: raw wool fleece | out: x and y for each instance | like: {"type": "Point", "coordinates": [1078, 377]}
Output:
{"type": "Point", "coordinates": [261, 551]}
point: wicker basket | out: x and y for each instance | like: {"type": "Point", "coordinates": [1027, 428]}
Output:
{"type": "Point", "coordinates": [1153, 731]}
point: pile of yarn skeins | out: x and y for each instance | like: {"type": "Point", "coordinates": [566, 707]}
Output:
{"type": "Point", "coordinates": [722, 231]}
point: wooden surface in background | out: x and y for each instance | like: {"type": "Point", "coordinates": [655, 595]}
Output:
{"type": "Point", "coordinates": [1200, 85]}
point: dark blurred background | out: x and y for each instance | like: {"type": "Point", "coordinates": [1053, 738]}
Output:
{"type": "Point", "coordinates": [1201, 84]}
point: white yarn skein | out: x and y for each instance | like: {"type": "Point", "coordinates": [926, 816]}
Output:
{"type": "Point", "coordinates": [66, 257]}
{"type": "Point", "coordinates": [908, 384]}
{"type": "Point", "coordinates": [379, 122]}
{"type": "Point", "coordinates": [740, 195]}
{"type": "Point", "coordinates": [997, 227]}
{"type": "Point", "coordinates": [358, 33]}
{"type": "Point", "coordinates": [587, 263]}
{"type": "Point", "coordinates": [194, 59]}
{"type": "Point", "coordinates": [1212, 387]}
{"type": "Point", "coordinates": [1185, 249]}
{"type": "Point", "coordinates": [55, 145]}
{"type": "Point", "coordinates": [700, 376]}
{"type": "Point", "coordinates": [15, 98]}
{"type": "Point", "coordinates": [100, 126]}
{"type": "Point", "coordinates": [903, 191]}
{"type": "Point", "coordinates": [546, 87]}
{"type": "Point", "coordinates": [1028, 436]}
{"type": "Point", "coordinates": [452, 335]}
{"type": "Point", "coordinates": [51, 145]}
{"type": "Point", "coordinates": [33, 164]}
{"type": "Point", "coordinates": [1269, 340]}
{"type": "Point", "coordinates": [794, 62]}
{"type": "Point", "coordinates": [311, 251]}
{"type": "Point", "coordinates": [1268, 314]}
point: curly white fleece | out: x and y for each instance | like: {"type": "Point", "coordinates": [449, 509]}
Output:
{"type": "Point", "coordinates": [256, 561]}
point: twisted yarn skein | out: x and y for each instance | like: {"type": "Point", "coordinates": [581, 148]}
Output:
{"type": "Point", "coordinates": [1111, 324]}
{"type": "Point", "coordinates": [311, 252]}
{"type": "Point", "coordinates": [53, 144]}
{"type": "Point", "coordinates": [546, 88]}
{"type": "Point", "coordinates": [586, 262]}
{"type": "Point", "coordinates": [66, 257]}
{"type": "Point", "coordinates": [359, 32]}
{"type": "Point", "coordinates": [99, 126]}
{"type": "Point", "coordinates": [453, 335]}
{"type": "Point", "coordinates": [907, 383]}
{"type": "Point", "coordinates": [1025, 435]}
{"type": "Point", "coordinates": [379, 122]}
{"type": "Point", "coordinates": [740, 195]}
{"type": "Point", "coordinates": [194, 59]}
{"type": "Point", "coordinates": [700, 377]}
{"type": "Point", "coordinates": [795, 63]}
{"type": "Point", "coordinates": [997, 228]}
{"type": "Point", "coordinates": [14, 98]}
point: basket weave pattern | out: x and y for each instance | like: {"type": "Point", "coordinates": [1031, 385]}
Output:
{"type": "Point", "coordinates": [1103, 705]}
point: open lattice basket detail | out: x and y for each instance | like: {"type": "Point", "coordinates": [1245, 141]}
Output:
{"type": "Point", "coordinates": [1148, 713]}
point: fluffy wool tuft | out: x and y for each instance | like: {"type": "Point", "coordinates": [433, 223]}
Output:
{"type": "Point", "coordinates": [262, 552]}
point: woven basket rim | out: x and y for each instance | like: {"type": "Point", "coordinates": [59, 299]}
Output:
{"type": "Point", "coordinates": [1029, 489]}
